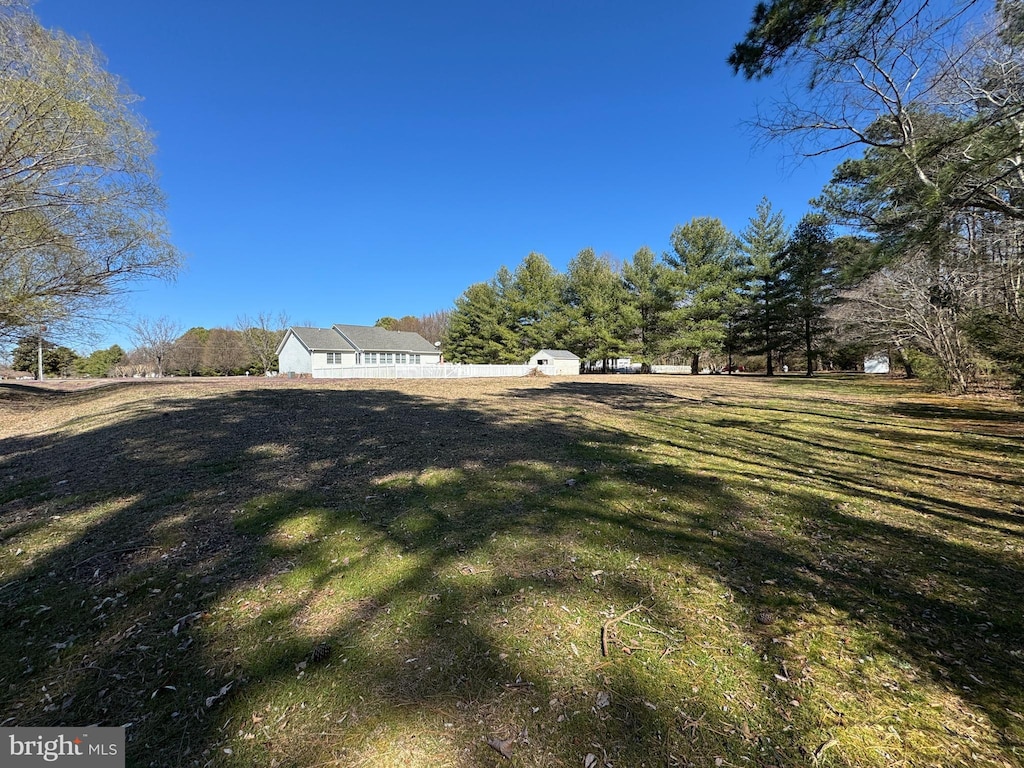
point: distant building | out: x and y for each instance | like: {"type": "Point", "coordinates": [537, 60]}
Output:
{"type": "Point", "coordinates": [564, 362]}
{"type": "Point", "coordinates": [317, 352]}
{"type": "Point", "coordinates": [877, 363]}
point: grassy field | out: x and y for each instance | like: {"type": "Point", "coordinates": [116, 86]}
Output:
{"type": "Point", "coordinates": [604, 571]}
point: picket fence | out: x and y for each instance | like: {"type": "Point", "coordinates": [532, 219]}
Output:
{"type": "Point", "coordinates": [447, 371]}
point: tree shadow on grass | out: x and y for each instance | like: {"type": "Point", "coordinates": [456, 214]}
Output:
{"type": "Point", "coordinates": [928, 566]}
{"type": "Point", "coordinates": [202, 547]}
{"type": "Point", "coordinates": [368, 519]}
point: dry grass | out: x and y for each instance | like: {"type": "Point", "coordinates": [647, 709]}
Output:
{"type": "Point", "coordinates": [818, 572]}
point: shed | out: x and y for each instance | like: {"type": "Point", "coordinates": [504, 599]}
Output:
{"type": "Point", "coordinates": [564, 362]}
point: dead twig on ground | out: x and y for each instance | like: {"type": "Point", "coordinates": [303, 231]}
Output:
{"type": "Point", "coordinates": [606, 627]}
{"type": "Point", "coordinates": [117, 551]}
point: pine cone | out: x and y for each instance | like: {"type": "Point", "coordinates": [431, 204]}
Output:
{"type": "Point", "coordinates": [320, 652]}
{"type": "Point", "coordinates": [765, 617]}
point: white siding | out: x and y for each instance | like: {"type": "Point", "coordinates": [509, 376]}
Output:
{"type": "Point", "coordinates": [294, 357]}
{"type": "Point", "coordinates": [320, 360]}
{"type": "Point", "coordinates": [560, 367]}
{"type": "Point", "coordinates": [426, 358]}
{"type": "Point", "coordinates": [566, 367]}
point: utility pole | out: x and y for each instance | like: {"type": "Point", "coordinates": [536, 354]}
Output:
{"type": "Point", "coordinates": [39, 363]}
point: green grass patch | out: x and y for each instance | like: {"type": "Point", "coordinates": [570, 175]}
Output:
{"type": "Point", "coordinates": [662, 571]}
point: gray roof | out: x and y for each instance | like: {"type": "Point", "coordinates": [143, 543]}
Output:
{"type": "Point", "coordinates": [375, 339]}
{"type": "Point", "coordinates": [322, 339]}
{"type": "Point", "coordinates": [558, 354]}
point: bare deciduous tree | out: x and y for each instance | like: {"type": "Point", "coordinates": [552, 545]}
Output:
{"type": "Point", "coordinates": [186, 356]}
{"type": "Point", "coordinates": [224, 352]}
{"type": "Point", "coordinates": [81, 214]}
{"type": "Point", "coordinates": [155, 338]}
{"type": "Point", "coordinates": [261, 335]}
{"type": "Point", "coordinates": [431, 326]}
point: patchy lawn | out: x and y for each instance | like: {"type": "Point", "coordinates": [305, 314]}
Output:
{"type": "Point", "coordinates": [604, 571]}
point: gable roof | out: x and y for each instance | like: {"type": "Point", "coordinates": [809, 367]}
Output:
{"type": "Point", "coordinates": [320, 339]}
{"type": "Point", "coordinates": [376, 339]}
{"type": "Point", "coordinates": [557, 354]}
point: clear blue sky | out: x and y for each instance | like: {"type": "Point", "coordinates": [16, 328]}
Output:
{"type": "Point", "coordinates": [342, 161]}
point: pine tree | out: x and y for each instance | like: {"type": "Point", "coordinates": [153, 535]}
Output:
{"type": "Point", "coordinates": [534, 301]}
{"type": "Point", "coordinates": [766, 290]}
{"type": "Point", "coordinates": [812, 274]}
{"type": "Point", "coordinates": [645, 315]}
{"type": "Point", "coordinates": [478, 331]}
{"type": "Point", "coordinates": [705, 259]}
{"type": "Point", "coordinates": [593, 297]}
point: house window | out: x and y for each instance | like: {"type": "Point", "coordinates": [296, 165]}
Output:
{"type": "Point", "coordinates": [334, 358]}
{"type": "Point", "coordinates": [371, 358]}
{"type": "Point", "coordinates": [359, 358]}
{"type": "Point", "coordinates": [415, 359]}
{"type": "Point", "coordinates": [400, 358]}
{"type": "Point", "coordinates": [387, 358]}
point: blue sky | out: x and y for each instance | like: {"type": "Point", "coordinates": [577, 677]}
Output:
{"type": "Point", "coordinates": [342, 161]}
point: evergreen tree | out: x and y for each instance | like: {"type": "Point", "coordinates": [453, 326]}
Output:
{"type": "Point", "coordinates": [99, 363]}
{"type": "Point", "coordinates": [812, 275]}
{"type": "Point", "coordinates": [705, 259]}
{"type": "Point", "coordinates": [534, 302]}
{"type": "Point", "coordinates": [57, 361]}
{"type": "Point", "coordinates": [645, 315]}
{"type": "Point", "coordinates": [478, 331]}
{"type": "Point", "coordinates": [766, 290]}
{"type": "Point", "coordinates": [593, 297]}
{"type": "Point", "coordinates": [25, 356]}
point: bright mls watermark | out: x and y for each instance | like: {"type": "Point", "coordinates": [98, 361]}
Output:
{"type": "Point", "coordinates": [78, 747]}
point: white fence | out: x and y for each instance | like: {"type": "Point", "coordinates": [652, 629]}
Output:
{"type": "Point", "coordinates": [447, 371]}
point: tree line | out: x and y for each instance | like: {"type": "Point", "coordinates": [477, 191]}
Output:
{"type": "Point", "coordinates": [932, 97]}
{"type": "Point", "coordinates": [931, 261]}
{"type": "Point", "coordinates": [161, 348]}
{"type": "Point", "coordinates": [926, 99]}
{"type": "Point", "coordinates": [714, 297]}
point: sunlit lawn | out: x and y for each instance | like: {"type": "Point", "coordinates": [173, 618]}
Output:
{"type": "Point", "coordinates": [622, 571]}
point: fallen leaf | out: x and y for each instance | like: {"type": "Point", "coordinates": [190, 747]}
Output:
{"type": "Point", "coordinates": [184, 621]}
{"type": "Point", "coordinates": [211, 700]}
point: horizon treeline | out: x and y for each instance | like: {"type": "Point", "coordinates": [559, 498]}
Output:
{"type": "Point", "coordinates": [713, 298]}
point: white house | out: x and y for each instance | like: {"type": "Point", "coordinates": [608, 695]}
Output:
{"type": "Point", "coordinates": [317, 351]}
{"type": "Point", "coordinates": [563, 361]}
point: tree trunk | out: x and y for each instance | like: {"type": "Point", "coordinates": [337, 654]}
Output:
{"type": "Point", "coordinates": [809, 345]}
{"type": "Point", "coordinates": [695, 364]}
{"type": "Point", "coordinates": [908, 369]}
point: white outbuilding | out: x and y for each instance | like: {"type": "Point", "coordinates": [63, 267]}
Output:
{"type": "Point", "coordinates": [562, 361]}
{"type": "Point", "coordinates": [876, 363]}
